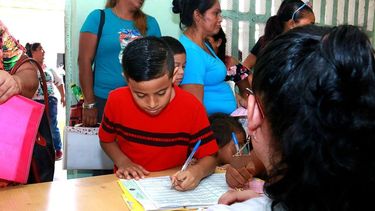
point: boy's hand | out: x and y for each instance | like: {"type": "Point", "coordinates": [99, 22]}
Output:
{"type": "Point", "coordinates": [184, 180]}
{"type": "Point", "coordinates": [131, 171]}
{"type": "Point", "coordinates": [238, 178]}
{"type": "Point", "coordinates": [239, 174]}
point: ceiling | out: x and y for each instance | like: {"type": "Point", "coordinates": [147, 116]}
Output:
{"type": "Point", "coordinates": [34, 4]}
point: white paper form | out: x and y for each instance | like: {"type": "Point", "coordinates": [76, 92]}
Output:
{"type": "Point", "coordinates": [156, 191]}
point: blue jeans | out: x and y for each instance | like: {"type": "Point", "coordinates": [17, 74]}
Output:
{"type": "Point", "coordinates": [52, 103]}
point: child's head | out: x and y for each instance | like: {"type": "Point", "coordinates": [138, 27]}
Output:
{"type": "Point", "coordinates": [223, 125]}
{"type": "Point", "coordinates": [149, 67]}
{"type": "Point", "coordinates": [179, 55]}
{"type": "Point", "coordinates": [218, 42]}
{"type": "Point", "coordinates": [294, 13]}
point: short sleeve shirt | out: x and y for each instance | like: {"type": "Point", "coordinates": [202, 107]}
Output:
{"type": "Point", "coordinates": [208, 70]}
{"type": "Point", "coordinates": [116, 35]}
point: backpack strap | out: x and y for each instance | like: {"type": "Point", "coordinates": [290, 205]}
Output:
{"type": "Point", "coordinates": [100, 30]}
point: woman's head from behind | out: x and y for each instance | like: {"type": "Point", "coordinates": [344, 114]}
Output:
{"type": "Point", "coordinates": [316, 89]}
{"type": "Point", "coordinates": [293, 13]}
{"type": "Point", "coordinates": [35, 51]}
{"type": "Point", "coordinates": [204, 14]}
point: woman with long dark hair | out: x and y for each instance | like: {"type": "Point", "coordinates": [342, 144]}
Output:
{"type": "Point", "coordinates": [311, 119]}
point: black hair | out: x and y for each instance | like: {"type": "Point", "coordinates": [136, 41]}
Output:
{"type": "Point", "coordinates": [289, 7]}
{"type": "Point", "coordinates": [316, 86]}
{"type": "Point", "coordinates": [275, 24]}
{"type": "Point", "coordinates": [31, 47]}
{"type": "Point", "coordinates": [147, 58]}
{"type": "Point", "coordinates": [223, 125]}
{"type": "Point", "coordinates": [273, 29]}
{"type": "Point", "coordinates": [186, 9]}
{"type": "Point", "coordinates": [222, 47]}
{"type": "Point", "coordinates": [174, 45]}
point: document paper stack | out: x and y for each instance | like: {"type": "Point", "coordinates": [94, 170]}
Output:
{"type": "Point", "coordinates": [155, 193]}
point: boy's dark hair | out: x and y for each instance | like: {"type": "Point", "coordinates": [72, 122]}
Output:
{"type": "Point", "coordinates": [317, 90]}
{"type": "Point", "coordinates": [31, 47]}
{"type": "Point", "coordinates": [147, 58]}
{"type": "Point", "coordinates": [223, 125]}
{"type": "Point", "coordinates": [175, 45]}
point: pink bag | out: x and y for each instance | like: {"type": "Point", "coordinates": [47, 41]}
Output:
{"type": "Point", "coordinates": [19, 122]}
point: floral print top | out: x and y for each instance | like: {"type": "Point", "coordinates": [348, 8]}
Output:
{"type": "Point", "coordinates": [10, 50]}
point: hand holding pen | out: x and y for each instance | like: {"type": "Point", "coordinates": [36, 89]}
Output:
{"type": "Point", "coordinates": [181, 178]}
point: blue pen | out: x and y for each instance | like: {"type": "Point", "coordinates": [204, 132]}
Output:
{"type": "Point", "coordinates": [188, 160]}
{"type": "Point", "coordinates": [235, 142]}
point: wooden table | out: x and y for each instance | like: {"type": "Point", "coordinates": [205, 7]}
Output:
{"type": "Point", "coordinates": [90, 193]}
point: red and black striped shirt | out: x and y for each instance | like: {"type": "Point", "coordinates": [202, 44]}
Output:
{"type": "Point", "coordinates": [157, 142]}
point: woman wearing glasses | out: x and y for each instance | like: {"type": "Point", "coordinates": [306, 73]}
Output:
{"type": "Point", "coordinates": [311, 118]}
{"type": "Point", "coordinates": [291, 14]}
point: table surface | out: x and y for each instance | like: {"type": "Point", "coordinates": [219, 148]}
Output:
{"type": "Point", "coordinates": [90, 193]}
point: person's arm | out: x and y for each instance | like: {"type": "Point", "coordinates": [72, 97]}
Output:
{"type": "Point", "coordinates": [233, 196]}
{"type": "Point", "coordinates": [190, 178]}
{"type": "Point", "coordinates": [62, 94]}
{"type": "Point", "coordinates": [23, 82]}
{"type": "Point", "coordinates": [126, 168]}
{"type": "Point", "coordinates": [242, 85]}
{"type": "Point", "coordinates": [58, 81]}
{"type": "Point", "coordinates": [195, 89]}
{"type": "Point", "coordinates": [87, 45]}
{"type": "Point", "coordinates": [250, 60]}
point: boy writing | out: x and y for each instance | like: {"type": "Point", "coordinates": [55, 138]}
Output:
{"type": "Point", "coordinates": [152, 125]}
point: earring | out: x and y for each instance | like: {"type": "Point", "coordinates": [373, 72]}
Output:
{"type": "Point", "coordinates": [253, 137]}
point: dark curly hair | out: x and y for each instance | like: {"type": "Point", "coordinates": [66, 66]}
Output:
{"type": "Point", "coordinates": [317, 89]}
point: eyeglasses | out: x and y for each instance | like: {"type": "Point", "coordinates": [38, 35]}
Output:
{"type": "Point", "coordinates": [300, 8]}
{"type": "Point", "coordinates": [251, 92]}
{"type": "Point", "coordinates": [245, 148]}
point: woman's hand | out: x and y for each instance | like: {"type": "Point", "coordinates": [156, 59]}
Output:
{"type": "Point", "coordinates": [238, 178]}
{"type": "Point", "coordinates": [9, 86]}
{"type": "Point", "coordinates": [233, 196]}
{"type": "Point", "coordinates": [89, 117]}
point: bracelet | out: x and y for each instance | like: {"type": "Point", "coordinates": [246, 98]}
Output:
{"type": "Point", "coordinates": [89, 105]}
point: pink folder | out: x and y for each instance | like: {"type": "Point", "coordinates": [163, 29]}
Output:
{"type": "Point", "coordinates": [19, 122]}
